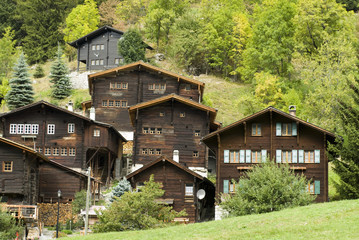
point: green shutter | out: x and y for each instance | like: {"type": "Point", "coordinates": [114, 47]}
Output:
{"type": "Point", "coordinates": [301, 156]}
{"type": "Point", "coordinates": [264, 155]}
{"type": "Point", "coordinates": [225, 186]}
{"type": "Point", "coordinates": [278, 156]}
{"type": "Point", "coordinates": [317, 156]}
{"type": "Point", "coordinates": [317, 187]}
{"type": "Point", "coordinates": [294, 129]}
{"type": "Point", "coordinates": [248, 156]}
{"type": "Point", "coordinates": [226, 156]}
{"type": "Point", "coordinates": [294, 156]}
{"type": "Point", "coordinates": [242, 156]}
{"type": "Point", "coordinates": [279, 129]}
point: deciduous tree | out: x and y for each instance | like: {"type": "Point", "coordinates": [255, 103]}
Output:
{"type": "Point", "coordinates": [8, 52]}
{"type": "Point", "coordinates": [131, 46]}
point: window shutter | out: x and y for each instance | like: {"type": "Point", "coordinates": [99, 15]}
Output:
{"type": "Point", "coordinates": [278, 156]}
{"type": "Point", "coordinates": [279, 129]}
{"type": "Point", "coordinates": [242, 156]}
{"type": "Point", "coordinates": [317, 187]}
{"type": "Point", "coordinates": [301, 156]}
{"type": "Point", "coordinates": [226, 156]}
{"type": "Point", "coordinates": [317, 156]}
{"type": "Point", "coordinates": [248, 156]}
{"type": "Point", "coordinates": [225, 186]}
{"type": "Point", "coordinates": [264, 155]}
{"type": "Point", "coordinates": [294, 129]}
{"type": "Point", "coordinates": [294, 156]}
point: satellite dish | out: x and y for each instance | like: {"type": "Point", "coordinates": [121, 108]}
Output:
{"type": "Point", "coordinates": [201, 194]}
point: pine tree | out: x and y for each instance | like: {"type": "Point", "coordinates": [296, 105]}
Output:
{"type": "Point", "coordinates": [61, 86]}
{"type": "Point", "coordinates": [345, 154]}
{"type": "Point", "coordinates": [39, 72]}
{"type": "Point", "coordinates": [122, 187]}
{"type": "Point", "coordinates": [21, 92]}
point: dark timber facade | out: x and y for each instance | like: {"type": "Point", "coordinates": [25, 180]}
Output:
{"type": "Point", "coordinates": [276, 135]}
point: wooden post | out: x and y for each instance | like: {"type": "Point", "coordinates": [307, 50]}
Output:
{"type": "Point", "coordinates": [88, 199]}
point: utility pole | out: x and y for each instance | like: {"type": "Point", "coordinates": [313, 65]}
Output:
{"type": "Point", "coordinates": [88, 199]}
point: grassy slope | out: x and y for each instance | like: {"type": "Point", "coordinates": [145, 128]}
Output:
{"type": "Point", "coordinates": [335, 220]}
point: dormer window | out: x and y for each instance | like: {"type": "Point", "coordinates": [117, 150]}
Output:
{"type": "Point", "coordinates": [256, 129]}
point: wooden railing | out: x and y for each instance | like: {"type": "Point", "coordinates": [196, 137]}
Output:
{"type": "Point", "coordinates": [23, 211]}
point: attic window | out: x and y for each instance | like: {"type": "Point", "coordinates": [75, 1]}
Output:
{"type": "Point", "coordinates": [7, 166]}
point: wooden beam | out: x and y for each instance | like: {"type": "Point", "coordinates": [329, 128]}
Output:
{"type": "Point", "coordinates": [245, 133]}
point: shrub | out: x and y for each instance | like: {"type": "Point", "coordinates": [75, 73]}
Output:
{"type": "Point", "coordinates": [79, 202]}
{"type": "Point", "coordinates": [39, 72]}
{"type": "Point", "coordinates": [8, 226]}
{"type": "Point", "coordinates": [268, 187]}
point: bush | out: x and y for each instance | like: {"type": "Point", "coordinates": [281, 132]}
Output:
{"type": "Point", "coordinates": [137, 210]}
{"type": "Point", "coordinates": [9, 227]}
{"type": "Point", "coordinates": [39, 72]}
{"type": "Point", "coordinates": [268, 187]}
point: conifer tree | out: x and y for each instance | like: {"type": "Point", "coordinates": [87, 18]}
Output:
{"type": "Point", "coordinates": [61, 86]}
{"type": "Point", "coordinates": [39, 72]}
{"type": "Point", "coordinates": [131, 47]}
{"type": "Point", "coordinates": [122, 187]}
{"type": "Point", "coordinates": [21, 92]}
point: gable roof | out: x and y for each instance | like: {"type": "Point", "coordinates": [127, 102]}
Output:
{"type": "Point", "coordinates": [41, 156]}
{"type": "Point", "coordinates": [132, 109]}
{"type": "Point", "coordinates": [44, 103]}
{"type": "Point", "coordinates": [93, 34]}
{"type": "Point", "coordinates": [268, 109]}
{"type": "Point", "coordinates": [164, 159]}
{"type": "Point", "coordinates": [139, 65]}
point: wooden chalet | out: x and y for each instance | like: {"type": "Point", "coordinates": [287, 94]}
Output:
{"type": "Point", "coordinates": [28, 177]}
{"type": "Point", "coordinates": [113, 90]}
{"type": "Point", "coordinates": [276, 135]}
{"type": "Point", "coordinates": [67, 138]}
{"type": "Point", "coordinates": [172, 126]}
{"type": "Point", "coordinates": [98, 49]}
{"type": "Point", "coordinates": [180, 185]}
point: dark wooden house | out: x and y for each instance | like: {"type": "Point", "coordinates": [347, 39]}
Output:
{"type": "Point", "coordinates": [113, 90]}
{"type": "Point", "coordinates": [28, 177]}
{"type": "Point", "coordinates": [180, 185]}
{"type": "Point", "coordinates": [276, 135]}
{"type": "Point", "coordinates": [67, 138]}
{"type": "Point", "coordinates": [172, 126]}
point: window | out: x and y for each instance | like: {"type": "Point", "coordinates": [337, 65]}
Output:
{"type": "Point", "coordinates": [117, 103]}
{"type": "Point", "coordinates": [182, 114]}
{"type": "Point", "coordinates": [232, 187]}
{"type": "Point", "coordinates": [102, 47]}
{"type": "Point", "coordinates": [93, 62]}
{"type": "Point", "coordinates": [118, 85]}
{"type": "Point", "coordinates": [12, 128]}
{"type": "Point", "coordinates": [151, 151]}
{"type": "Point", "coordinates": [162, 114]}
{"type": "Point", "coordinates": [144, 151]}
{"type": "Point", "coordinates": [163, 86]}
{"type": "Point", "coordinates": [195, 154]}
{"type": "Point", "coordinates": [27, 129]}
{"type": "Point", "coordinates": [145, 130]}
{"type": "Point", "coordinates": [158, 151]}
{"type": "Point", "coordinates": [187, 87]}
{"type": "Point", "coordinates": [286, 156]}
{"type": "Point", "coordinates": [287, 129]}
{"type": "Point", "coordinates": [110, 103]}
{"type": "Point", "coordinates": [72, 151]}
{"type": "Point", "coordinates": [124, 85]}
{"type": "Point", "coordinates": [55, 151]}
{"type": "Point", "coordinates": [256, 156]}
{"type": "Point", "coordinates": [313, 187]}
{"type": "Point", "coordinates": [93, 47]}
{"type": "Point", "coordinates": [159, 131]}
{"type": "Point", "coordinates": [197, 133]}
{"type": "Point", "coordinates": [50, 128]}
{"type": "Point", "coordinates": [104, 103]}
{"type": "Point", "coordinates": [20, 129]}
{"type": "Point", "coordinates": [124, 104]}
{"type": "Point", "coordinates": [157, 86]}
{"type": "Point", "coordinates": [63, 151]}
{"type": "Point", "coordinates": [97, 62]}
{"type": "Point", "coordinates": [39, 149]}
{"type": "Point", "coordinates": [71, 127]}
{"type": "Point", "coordinates": [117, 61]}
{"type": "Point", "coordinates": [35, 128]}
{"type": "Point", "coordinates": [256, 129]}
{"type": "Point", "coordinates": [101, 62]}
{"type": "Point", "coordinates": [152, 130]}
{"type": "Point", "coordinates": [189, 189]}
{"type": "Point", "coordinates": [47, 151]}
{"type": "Point", "coordinates": [150, 87]}
{"type": "Point", "coordinates": [309, 156]}
{"type": "Point", "coordinates": [96, 132]}
{"type": "Point", "coordinates": [7, 166]}
{"type": "Point", "coordinates": [98, 47]}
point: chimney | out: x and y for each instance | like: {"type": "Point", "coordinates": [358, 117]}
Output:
{"type": "Point", "coordinates": [176, 156]}
{"type": "Point", "coordinates": [292, 110]}
{"type": "Point", "coordinates": [92, 113]}
{"type": "Point", "coordinates": [70, 106]}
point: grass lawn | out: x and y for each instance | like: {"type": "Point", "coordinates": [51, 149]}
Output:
{"type": "Point", "coordinates": [335, 220]}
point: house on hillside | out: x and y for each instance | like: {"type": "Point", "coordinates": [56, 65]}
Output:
{"type": "Point", "coordinates": [98, 49]}
{"type": "Point", "coordinates": [26, 178]}
{"type": "Point", "coordinates": [271, 134]}
{"type": "Point", "coordinates": [172, 126]}
{"type": "Point", "coordinates": [67, 138]}
{"type": "Point", "coordinates": [181, 186]}
{"type": "Point", "coordinates": [113, 90]}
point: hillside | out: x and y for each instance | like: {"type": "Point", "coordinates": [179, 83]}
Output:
{"type": "Point", "coordinates": [334, 220]}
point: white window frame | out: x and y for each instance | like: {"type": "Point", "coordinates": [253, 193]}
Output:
{"type": "Point", "coordinates": [27, 129]}
{"type": "Point", "coordinates": [35, 128]}
{"type": "Point", "coordinates": [189, 189]}
{"type": "Point", "coordinates": [71, 128]}
{"type": "Point", "coordinates": [20, 129]}
{"type": "Point", "coordinates": [96, 132]}
{"type": "Point", "coordinates": [72, 151]}
{"type": "Point", "coordinates": [51, 129]}
{"type": "Point", "coordinates": [13, 128]}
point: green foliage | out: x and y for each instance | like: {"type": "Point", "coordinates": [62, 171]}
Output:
{"type": "Point", "coordinates": [350, 5]}
{"type": "Point", "coordinates": [268, 91]}
{"type": "Point", "coordinates": [8, 52]}
{"type": "Point", "coordinates": [268, 187]}
{"type": "Point", "coordinates": [41, 25]}
{"type": "Point", "coordinates": [9, 227]}
{"type": "Point", "coordinates": [61, 86]}
{"type": "Point", "coordinates": [137, 210]}
{"type": "Point", "coordinates": [132, 11]}
{"type": "Point", "coordinates": [82, 20]}
{"type": "Point", "coordinates": [21, 92]}
{"type": "Point", "coordinates": [79, 202]}
{"type": "Point", "coordinates": [4, 88]}
{"type": "Point", "coordinates": [122, 187]}
{"type": "Point", "coordinates": [131, 46]}
{"type": "Point", "coordinates": [39, 72]}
